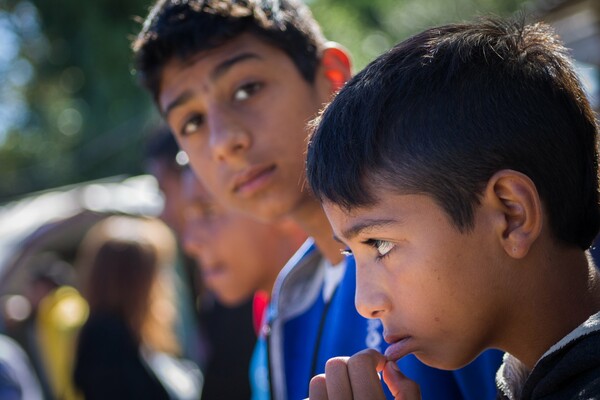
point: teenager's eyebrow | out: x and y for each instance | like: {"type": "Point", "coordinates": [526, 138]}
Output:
{"type": "Point", "coordinates": [215, 74]}
{"type": "Point", "coordinates": [179, 100]}
{"type": "Point", "coordinates": [226, 65]}
{"type": "Point", "coordinates": [366, 225]}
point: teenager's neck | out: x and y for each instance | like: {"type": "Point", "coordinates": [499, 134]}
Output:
{"type": "Point", "coordinates": [313, 220]}
{"type": "Point", "coordinates": [565, 295]}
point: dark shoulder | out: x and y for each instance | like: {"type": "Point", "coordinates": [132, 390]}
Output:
{"type": "Point", "coordinates": [106, 334]}
{"type": "Point", "coordinates": [572, 372]}
{"type": "Point", "coordinates": [104, 323]}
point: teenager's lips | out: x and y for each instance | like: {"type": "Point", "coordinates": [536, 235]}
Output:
{"type": "Point", "coordinates": [398, 347]}
{"type": "Point", "coordinates": [252, 179]}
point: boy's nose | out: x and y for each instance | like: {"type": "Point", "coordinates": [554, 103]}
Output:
{"type": "Point", "coordinates": [193, 241]}
{"type": "Point", "coordinates": [199, 249]}
{"type": "Point", "coordinates": [228, 138]}
{"type": "Point", "coordinates": [190, 245]}
{"type": "Point", "coordinates": [369, 300]}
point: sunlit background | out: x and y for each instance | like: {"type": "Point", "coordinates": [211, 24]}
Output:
{"type": "Point", "coordinates": [70, 110]}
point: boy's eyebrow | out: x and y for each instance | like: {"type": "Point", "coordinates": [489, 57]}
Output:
{"type": "Point", "coordinates": [215, 74]}
{"type": "Point", "coordinates": [364, 225]}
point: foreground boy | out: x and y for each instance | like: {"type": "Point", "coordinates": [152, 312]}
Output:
{"type": "Point", "coordinates": [237, 82]}
{"type": "Point", "coordinates": [460, 168]}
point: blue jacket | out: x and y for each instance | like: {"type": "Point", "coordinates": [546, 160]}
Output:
{"type": "Point", "coordinates": [302, 332]}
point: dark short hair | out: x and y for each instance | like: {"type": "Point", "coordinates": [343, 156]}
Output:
{"type": "Point", "coordinates": [161, 146]}
{"type": "Point", "coordinates": [180, 29]}
{"type": "Point", "coordinates": [443, 111]}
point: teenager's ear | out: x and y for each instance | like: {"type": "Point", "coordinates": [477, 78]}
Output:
{"type": "Point", "coordinates": [517, 204]}
{"type": "Point", "coordinates": [336, 66]}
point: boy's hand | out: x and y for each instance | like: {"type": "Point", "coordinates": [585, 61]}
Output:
{"type": "Point", "coordinates": [356, 378]}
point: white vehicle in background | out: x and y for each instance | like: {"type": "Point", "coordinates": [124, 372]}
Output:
{"type": "Point", "coordinates": [40, 233]}
{"type": "Point", "coordinates": [55, 220]}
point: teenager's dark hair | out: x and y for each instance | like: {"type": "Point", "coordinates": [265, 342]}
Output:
{"type": "Point", "coordinates": [443, 111]}
{"type": "Point", "coordinates": [181, 28]}
{"type": "Point", "coordinates": [162, 146]}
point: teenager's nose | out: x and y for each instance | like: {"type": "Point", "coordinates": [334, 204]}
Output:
{"type": "Point", "coordinates": [370, 300]}
{"type": "Point", "coordinates": [228, 137]}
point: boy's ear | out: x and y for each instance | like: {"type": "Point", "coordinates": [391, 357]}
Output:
{"type": "Point", "coordinates": [335, 66]}
{"type": "Point", "coordinates": [518, 208]}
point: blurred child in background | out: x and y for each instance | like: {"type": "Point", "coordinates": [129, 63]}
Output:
{"type": "Point", "coordinates": [239, 259]}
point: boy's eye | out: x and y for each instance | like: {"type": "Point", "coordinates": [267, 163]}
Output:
{"type": "Point", "coordinates": [191, 213]}
{"type": "Point", "coordinates": [346, 252]}
{"type": "Point", "coordinates": [245, 91]}
{"type": "Point", "coordinates": [209, 212]}
{"type": "Point", "coordinates": [200, 213]}
{"type": "Point", "coordinates": [192, 125]}
{"type": "Point", "coordinates": [383, 247]}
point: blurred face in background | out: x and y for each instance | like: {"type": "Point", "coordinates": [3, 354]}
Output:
{"type": "Point", "coordinates": [237, 255]}
{"type": "Point", "coordinates": [169, 183]}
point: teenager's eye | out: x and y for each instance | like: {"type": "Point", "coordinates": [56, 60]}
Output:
{"type": "Point", "coordinates": [192, 125]}
{"type": "Point", "coordinates": [245, 91]}
{"type": "Point", "coordinates": [383, 247]}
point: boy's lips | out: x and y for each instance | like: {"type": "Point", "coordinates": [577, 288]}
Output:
{"type": "Point", "coordinates": [398, 347]}
{"type": "Point", "coordinates": [213, 273]}
{"type": "Point", "coordinates": [252, 179]}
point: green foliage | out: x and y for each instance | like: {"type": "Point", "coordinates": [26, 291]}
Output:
{"type": "Point", "coordinates": [85, 115]}
{"type": "Point", "coordinates": [70, 109]}
{"type": "Point", "coordinates": [369, 27]}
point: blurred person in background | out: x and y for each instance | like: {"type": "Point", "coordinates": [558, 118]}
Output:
{"type": "Point", "coordinates": [226, 312]}
{"type": "Point", "coordinates": [165, 162]}
{"type": "Point", "coordinates": [239, 259]}
{"type": "Point", "coordinates": [162, 162]}
{"type": "Point", "coordinates": [55, 313]}
{"type": "Point", "coordinates": [127, 348]}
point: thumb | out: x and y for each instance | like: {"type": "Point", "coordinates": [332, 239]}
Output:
{"type": "Point", "coordinates": [401, 387]}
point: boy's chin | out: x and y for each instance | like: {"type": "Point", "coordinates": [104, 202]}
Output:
{"type": "Point", "coordinates": [231, 300]}
{"type": "Point", "coordinates": [443, 361]}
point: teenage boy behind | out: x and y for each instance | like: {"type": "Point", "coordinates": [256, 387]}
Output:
{"type": "Point", "coordinates": [461, 170]}
{"type": "Point", "coordinates": [237, 82]}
